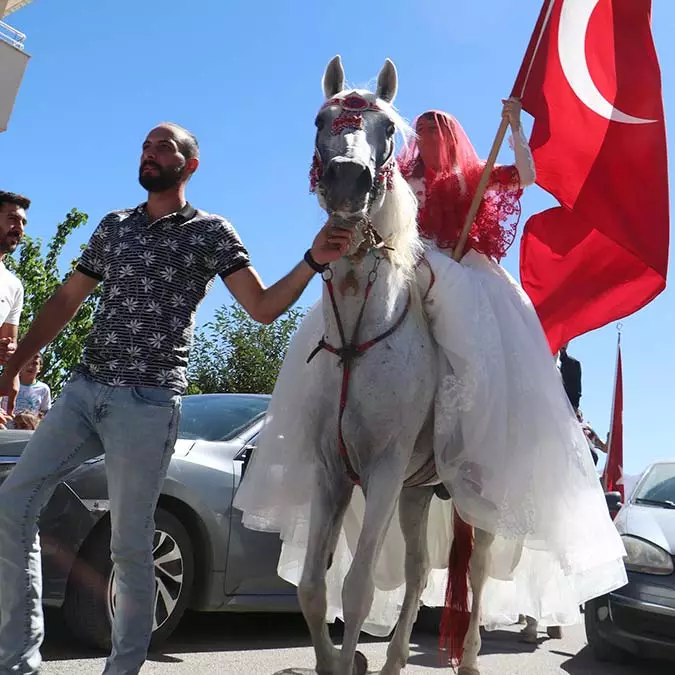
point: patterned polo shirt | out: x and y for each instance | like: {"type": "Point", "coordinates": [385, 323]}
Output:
{"type": "Point", "coordinates": [154, 277]}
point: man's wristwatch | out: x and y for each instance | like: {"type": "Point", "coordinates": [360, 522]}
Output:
{"type": "Point", "coordinates": [309, 259]}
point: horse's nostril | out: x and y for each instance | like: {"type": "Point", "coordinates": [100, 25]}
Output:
{"type": "Point", "coordinates": [329, 175]}
{"type": "Point", "coordinates": [364, 182]}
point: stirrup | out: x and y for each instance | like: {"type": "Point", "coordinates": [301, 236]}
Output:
{"type": "Point", "coordinates": [441, 492]}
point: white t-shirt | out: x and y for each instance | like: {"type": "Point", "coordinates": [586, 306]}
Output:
{"type": "Point", "coordinates": [11, 297]}
{"type": "Point", "coordinates": [33, 398]}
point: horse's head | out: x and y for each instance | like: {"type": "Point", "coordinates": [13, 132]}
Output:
{"type": "Point", "coordinates": [354, 153]}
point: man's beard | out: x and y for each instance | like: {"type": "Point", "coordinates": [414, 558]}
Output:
{"type": "Point", "coordinates": [165, 179]}
{"type": "Point", "coordinates": [9, 244]}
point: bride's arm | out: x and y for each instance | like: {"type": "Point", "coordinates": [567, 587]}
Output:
{"type": "Point", "coordinates": [524, 173]}
{"type": "Point", "coordinates": [524, 159]}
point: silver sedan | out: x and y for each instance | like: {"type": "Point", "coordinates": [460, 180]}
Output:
{"type": "Point", "coordinates": [205, 559]}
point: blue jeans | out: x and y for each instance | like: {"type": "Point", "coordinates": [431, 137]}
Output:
{"type": "Point", "coordinates": [136, 428]}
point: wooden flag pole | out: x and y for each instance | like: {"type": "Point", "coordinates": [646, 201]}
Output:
{"type": "Point", "coordinates": [521, 82]}
{"type": "Point", "coordinates": [480, 190]}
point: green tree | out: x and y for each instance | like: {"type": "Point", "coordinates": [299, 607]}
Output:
{"type": "Point", "coordinates": [234, 353]}
{"type": "Point", "coordinates": [40, 276]}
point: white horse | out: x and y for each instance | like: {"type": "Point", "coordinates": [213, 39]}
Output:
{"type": "Point", "coordinates": [379, 366]}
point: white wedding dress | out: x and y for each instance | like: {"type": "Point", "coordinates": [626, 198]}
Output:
{"type": "Point", "coordinates": [507, 445]}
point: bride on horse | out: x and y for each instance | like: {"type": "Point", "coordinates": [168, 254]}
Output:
{"type": "Point", "coordinates": [522, 472]}
{"type": "Point", "coordinates": [507, 446]}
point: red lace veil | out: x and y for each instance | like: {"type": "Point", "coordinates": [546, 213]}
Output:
{"type": "Point", "coordinates": [451, 183]}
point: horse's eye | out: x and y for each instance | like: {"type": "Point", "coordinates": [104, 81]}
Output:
{"type": "Point", "coordinates": [391, 129]}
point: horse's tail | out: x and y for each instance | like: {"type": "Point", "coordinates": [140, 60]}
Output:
{"type": "Point", "coordinates": [456, 614]}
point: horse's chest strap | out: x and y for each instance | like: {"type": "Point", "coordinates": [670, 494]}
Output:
{"type": "Point", "coordinates": [348, 352]}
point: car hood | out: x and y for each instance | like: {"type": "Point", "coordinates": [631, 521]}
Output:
{"type": "Point", "coordinates": [652, 523]}
{"type": "Point", "coordinates": [182, 447]}
{"type": "Point", "coordinates": [13, 441]}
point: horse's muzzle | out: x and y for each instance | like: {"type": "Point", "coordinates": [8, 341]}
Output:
{"type": "Point", "coordinates": [347, 185]}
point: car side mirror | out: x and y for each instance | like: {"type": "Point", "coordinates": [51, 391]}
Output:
{"type": "Point", "coordinates": [246, 457]}
{"type": "Point", "coordinates": [614, 502]}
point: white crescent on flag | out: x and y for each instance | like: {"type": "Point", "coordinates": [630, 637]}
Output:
{"type": "Point", "coordinates": [575, 15]}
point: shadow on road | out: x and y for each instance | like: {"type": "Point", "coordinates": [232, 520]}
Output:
{"type": "Point", "coordinates": [584, 663]}
{"type": "Point", "coordinates": [424, 647]}
{"type": "Point", "coordinates": [201, 633]}
{"type": "Point", "coordinates": [241, 632]}
{"type": "Point", "coordinates": [205, 633]}
{"type": "Point", "coordinates": [221, 633]}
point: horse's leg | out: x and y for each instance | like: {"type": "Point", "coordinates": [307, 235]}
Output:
{"type": "Point", "coordinates": [330, 500]}
{"type": "Point", "coordinates": [382, 489]}
{"type": "Point", "coordinates": [478, 571]}
{"type": "Point", "coordinates": [414, 513]}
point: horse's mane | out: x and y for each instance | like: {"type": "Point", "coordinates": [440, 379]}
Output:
{"type": "Point", "coordinates": [396, 221]}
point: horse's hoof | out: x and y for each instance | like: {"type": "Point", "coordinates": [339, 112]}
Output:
{"type": "Point", "coordinates": [467, 670]}
{"type": "Point", "coordinates": [360, 664]}
{"type": "Point", "coordinates": [529, 638]}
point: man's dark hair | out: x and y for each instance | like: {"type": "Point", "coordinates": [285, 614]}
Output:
{"type": "Point", "coordinates": [13, 198]}
{"type": "Point", "coordinates": [186, 141]}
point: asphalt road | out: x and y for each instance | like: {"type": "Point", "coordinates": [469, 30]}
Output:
{"type": "Point", "coordinates": [271, 645]}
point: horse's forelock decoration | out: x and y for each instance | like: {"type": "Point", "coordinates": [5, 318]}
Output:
{"type": "Point", "coordinates": [351, 114]}
{"type": "Point", "coordinates": [352, 109]}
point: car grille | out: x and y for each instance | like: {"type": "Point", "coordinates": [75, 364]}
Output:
{"type": "Point", "coordinates": [645, 624]}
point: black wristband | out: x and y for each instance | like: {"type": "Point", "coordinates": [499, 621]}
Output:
{"type": "Point", "coordinates": [309, 259]}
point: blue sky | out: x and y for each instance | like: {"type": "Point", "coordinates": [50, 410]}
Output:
{"type": "Point", "coordinates": [245, 78]}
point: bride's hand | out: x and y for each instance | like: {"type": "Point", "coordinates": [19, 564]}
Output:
{"type": "Point", "coordinates": [511, 111]}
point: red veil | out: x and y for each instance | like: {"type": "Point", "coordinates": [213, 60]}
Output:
{"type": "Point", "coordinates": [450, 188]}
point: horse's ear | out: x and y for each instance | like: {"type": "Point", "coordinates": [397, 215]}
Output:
{"type": "Point", "coordinates": [334, 78]}
{"type": "Point", "coordinates": [387, 82]}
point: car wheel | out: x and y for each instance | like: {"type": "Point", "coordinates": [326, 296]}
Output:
{"type": "Point", "coordinates": [602, 650]}
{"type": "Point", "coordinates": [91, 594]}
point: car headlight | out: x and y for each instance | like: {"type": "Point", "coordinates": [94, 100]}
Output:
{"type": "Point", "coordinates": [643, 556]}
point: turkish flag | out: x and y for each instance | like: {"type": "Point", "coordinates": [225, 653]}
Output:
{"type": "Point", "coordinates": [612, 476]}
{"type": "Point", "coordinates": [591, 81]}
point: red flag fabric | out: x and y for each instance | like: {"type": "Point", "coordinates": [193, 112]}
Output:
{"type": "Point", "coordinates": [591, 81]}
{"type": "Point", "coordinates": [612, 477]}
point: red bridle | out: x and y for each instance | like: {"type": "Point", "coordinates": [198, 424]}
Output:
{"type": "Point", "coordinates": [352, 109]}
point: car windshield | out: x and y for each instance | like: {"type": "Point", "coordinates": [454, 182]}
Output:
{"type": "Point", "coordinates": [219, 417]}
{"type": "Point", "coordinates": [658, 487]}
